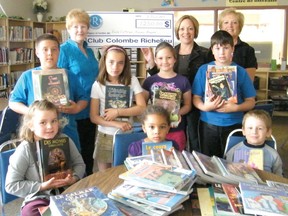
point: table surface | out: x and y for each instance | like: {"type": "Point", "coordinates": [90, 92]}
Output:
{"type": "Point", "coordinates": [109, 179]}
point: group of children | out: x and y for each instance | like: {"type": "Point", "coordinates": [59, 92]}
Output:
{"type": "Point", "coordinates": [218, 117]}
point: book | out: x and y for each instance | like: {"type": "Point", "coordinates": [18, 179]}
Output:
{"type": "Point", "coordinates": [253, 157]}
{"type": "Point", "coordinates": [128, 210]}
{"type": "Point", "coordinates": [156, 198]}
{"type": "Point", "coordinates": [147, 146]}
{"type": "Point", "coordinates": [149, 210]}
{"type": "Point", "coordinates": [169, 158]}
{"type": "Point", "coordinates": [233, 194]}
{"type": "Point", "coordinates": [180, 159]}
{"type": "Point", "coordinates": [210, 168]}
{"type": "Point", "coordinates": [202, 178]}
{"type": "Point", "coordinates": [118, 96]}
{"type": "Point", "coordinates": [133, 161]}
{"type": "Point", "coordinates": [156, 156]}
{"type": "Point", "coordinates": [206, 202]}
{"type": "Point", "coordinates": [237, 172]}
{"type": "Point", "coordinates": [283, 186]}
{"type": "Point", "coordinates": [54, 158]}
{"type": "Point", "coordinates": [263, 200]}
{"type": "Point", "coordinates": [160, 175]}
{"type": "Point", "coordinates": [222, 205]}
{"type": "Point", "coordinates": [170, 100]}
{"type": "Point", "coordinates": [89, 201]}
{"type": "Point", "coordinates": [222, 81]}
{"type": "Point", "coordinates": [51, 85]}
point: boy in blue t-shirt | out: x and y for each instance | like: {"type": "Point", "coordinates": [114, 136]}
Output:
{"type": "Point", "coordinates": [218, 117]}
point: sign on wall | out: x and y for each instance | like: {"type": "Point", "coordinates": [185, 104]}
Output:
{"type": "Point", "coordinates": [130, 29]}
{"type": "Point", "coordinates": [251, 2]}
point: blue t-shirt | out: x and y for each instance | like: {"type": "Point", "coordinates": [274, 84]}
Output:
{"type": "Point", "coordinates": [245, 89]}
{"type": "Point", "coordinates": [23, 93]}
{"type": "Point", "coordinates": [84, 67]}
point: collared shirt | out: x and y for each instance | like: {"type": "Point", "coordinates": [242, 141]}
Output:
{"type": "Point", "coordinates": [84, 67]}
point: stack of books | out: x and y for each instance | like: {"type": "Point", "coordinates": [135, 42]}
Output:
{"type": "Point", "coordinates": [153, 188]}
{"type": "Point", "coordinates": [244, 199]}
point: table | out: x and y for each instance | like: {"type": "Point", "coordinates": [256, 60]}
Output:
{"type": "Point", "coordinates": [109, 179]}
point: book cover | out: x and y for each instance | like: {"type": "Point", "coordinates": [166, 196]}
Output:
{"type": "Point", "coordinates": [156, 198]}
{"type": "Point", "coordinates": [156, 156]}
{"type": "Point", "coordinates": [232, 191]}
{"type": "Point", "coordinates": [148, 209]}
{"type": "Point", "coordinates": [54, 158]}
{"type": "Point", "coordinates": [210, 168]}
{"type": "Point", "coordinates": [253, 157]}
{"type": "Point", "coordinates": [51, 85]}
{"type": "Point", "coordinates": [263, 200]}
{"type": "Point", "coordinates": [180, 159]}
{"type": "Point", "coordinates": [128, 210]}
{"type": "Point", "coordinates": [222, 205]}
{"type": "Point", "coordinates": [202, 178]}
{"type": "Point", "coordinates": [147, 146]}
{"type": "Point", "coordinates": [89, 201]}
{"type": "Point", "coordinates": [133, 161]}
{"type": "Point", "coordinates": [206, 201]}
{"type": "Point", "coordinates": [118, 96]}
{"type": "Point", "coordinates": [160, 175]}
{"type": "Point", "coordinates": [170, 100]}
{"type": "Point", "coordinates": [222, 81]}
{"type": "Point", "coordinates": [238, 172]}
{"type": "Point", "coordinates": [169, 158]}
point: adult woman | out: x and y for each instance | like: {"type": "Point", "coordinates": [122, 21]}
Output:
{"type": "Point", "coordinates": [190, 56]}
{"type": "Point", "coordinates": [244, 55]}
{"type": "Point", "coordinates": [80, 60]}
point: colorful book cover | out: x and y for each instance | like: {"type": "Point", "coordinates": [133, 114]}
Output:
{"type": "Point", "coordinates": [133, 161]}
{"type": "Point", "coordinates": [222, 81]}
{"type": "Point", "coordinates": [51, 85]}
{"type": "Point", "coordinates": [89, 201]}
{"type": "Point", "coordinates": [170, 99]}
{"type": "Point", "coordinates": [54, 158]}
{"type": "Point", "coordinates": [222, 205]}
{"type": "Point", "coordinates": [156, 198]}
{"type": "Point", "coordinates": [159, 175]}
{"type": "Point", "coordinates": [147, 146]}
{"type": "Point", "coordinates": [180, 159]}
{"type": "Point", "coordinates": [263, 200]}
{"type": "Point", "coordinates": [232, 191]}
{"type": "Point", "coordinates": [148, 209]}
{"type": "Point", "coordinates": [206, 201]}
{"type": "Point", "coordinates": [157, 156]}
{"type": "Point", "coordinates": [169, 158]}
{"type": "Point", "coordinates": [253, 157]}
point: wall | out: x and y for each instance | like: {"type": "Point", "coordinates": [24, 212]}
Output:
{"type": "Point", "coordinates": [60, 8]}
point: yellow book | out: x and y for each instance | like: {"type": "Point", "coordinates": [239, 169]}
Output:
{"type": "Point", "coordinates": [206, 201]}
{"type": "Point", "coordinates": [256, 158]}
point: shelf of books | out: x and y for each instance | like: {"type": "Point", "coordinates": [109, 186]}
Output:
{"type": "Point", "coordinates": [273, 85]}
{"type": "Point", "coordinates": [58, 29]}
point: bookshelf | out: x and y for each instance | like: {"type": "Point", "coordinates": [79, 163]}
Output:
{"type": "Point", "coordinates": [273, 85]}
{"type": "Point", "coordinates": [58, 29]}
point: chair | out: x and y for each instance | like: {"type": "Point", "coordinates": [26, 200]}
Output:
{"type": "Point", "coordinates": [266, 105]}
{"type": "Point", "coordinates": [121, 142]}
{"type": "Point", "coordinates": [6, 150]}
{"type": "Point", "coordinates": [234, 139]}
{"type": "Point", "coordinates": [9, 124]}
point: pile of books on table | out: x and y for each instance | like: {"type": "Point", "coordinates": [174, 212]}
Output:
{"type": "Point", "coordinates": [244, 199]}
{"type": "Point", "coordinates": [154, 188]}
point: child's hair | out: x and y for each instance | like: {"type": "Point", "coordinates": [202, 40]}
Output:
{"type": "Point", "coordinates": [45, 37]}
{"type": "Point", "coordinates": [25, 132]}
{"type": "Point", "coordinates": [77, 15]}
{"type": "Point", "coordinates": [164, 45]}
{"type": "Point", "coordinates": [125, 76]}
{"type": "Point", "coordinates": [192, 19]}
{"type": "Point", "coordinates": [157, 110]}
{"type": "Point", "coordinates": [222, 37]}
{"type": "Point", "coordinates": [259, 114]}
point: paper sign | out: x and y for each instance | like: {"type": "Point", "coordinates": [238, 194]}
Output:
{"type": "Point", "coordinates": [130, 29]}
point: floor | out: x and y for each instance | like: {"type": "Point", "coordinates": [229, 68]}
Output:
{"type": "Point", "coordinates": [280, 132]}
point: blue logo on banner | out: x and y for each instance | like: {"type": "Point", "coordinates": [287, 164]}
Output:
{"type": "Point", "coordinates": [96, 21]}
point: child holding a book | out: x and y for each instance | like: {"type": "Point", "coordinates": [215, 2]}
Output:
{"type": "Point", "coordinates": [257, 127]}
{"type": "Point", "coordinates": [114, 71]}
{"type": "Point", "coordinates": [169, 82]}
{"type": "Point", "coordinates": [23, 95]}
{"type": "Point", "coordinates": [156, 124]}
{"type": "Point", "coordinates": [219, 117]}
{"type": "Point", "coordinates": [41, 121]}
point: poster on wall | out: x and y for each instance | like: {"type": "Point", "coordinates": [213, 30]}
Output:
{"type": "Point", "coordinates": [238, 3]}
{"type": "Point", "coordinates": [130, 29]}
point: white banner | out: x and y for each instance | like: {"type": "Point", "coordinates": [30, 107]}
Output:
{"type": "Point", "coordinates": [130, 29]}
